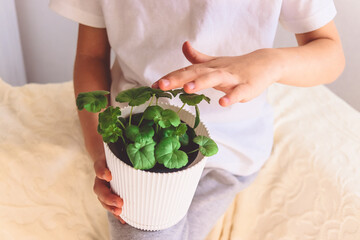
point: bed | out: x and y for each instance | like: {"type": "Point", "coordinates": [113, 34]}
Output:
{"type": "Point", "coordinates": [308, 189]}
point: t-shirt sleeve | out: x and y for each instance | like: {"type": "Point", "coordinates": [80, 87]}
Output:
{"type": "Point", "coordinates": [300, 16]}
{"type": "Point", "coordinates": [87, 12]}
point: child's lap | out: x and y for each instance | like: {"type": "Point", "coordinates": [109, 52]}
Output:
{"type": "Point", "coordinates": [216, 191]}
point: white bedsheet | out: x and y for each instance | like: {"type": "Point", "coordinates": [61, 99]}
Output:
{"type": "Point", "coordinates": [309, 188]}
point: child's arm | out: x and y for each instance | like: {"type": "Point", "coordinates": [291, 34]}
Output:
{"type": "Point", "coordinates": [319, 59]}
{"type": "Point", "coordinates": [92, 72]}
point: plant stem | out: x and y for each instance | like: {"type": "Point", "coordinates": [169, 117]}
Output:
{"type": "Point", "coordinates": [121, 124]}
{"type": "Point", "coordinates": [152, 99]}
{"type": "Point", "coordinates": [142, 117]}
{"type": "Point", "coordinates": [181, 108]}
{"type": "Point", "coordinates": [193, 151]}
{"type": "Point", "coordinates": [123, 140]}
{"type": "Point", "coordinates": [130, 115]}
{"type": "Point", "coordinates": [157, 99]}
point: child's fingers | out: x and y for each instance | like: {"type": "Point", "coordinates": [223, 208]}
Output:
{"type": "Point", "coordinates": [120, 219]}
{"type": "Point", "coordinates": [105, 195]}
{"type": "Point", "coordinates": [241, 93]}
{"type": "Point", "coordinates": [114, 210]}
{"type": "Point", "coordinates": [108, 200]}
{"type": "Point", "coordinates": [178, 78]}
{"type": "Point", "coordinates": [102, 171]}
{"type": "Point", "coordinates": [193, 55]}
{"type": "Point", "coordinates": [155, 85]}
{"type": "Point", "coordinates": [210, 80]}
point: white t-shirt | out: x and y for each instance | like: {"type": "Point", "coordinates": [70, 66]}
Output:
{"type": "Point", "coordinates": [147, 36]}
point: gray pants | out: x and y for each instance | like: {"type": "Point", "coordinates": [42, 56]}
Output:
{"type": "Point", "coordinates": [216, 191]}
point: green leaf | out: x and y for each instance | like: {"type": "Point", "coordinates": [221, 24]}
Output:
{"type": "Point", "coordinates": [134, 96]}
{"type": "Point", "coordinates": [109, 126]}
{"type": "Point", "coordinates": [146, 132]}
{"type": "Point", "coordinates": [149, 123]}
{"type": "Point", "coordinates": [136, 134]}
{"type": "Point", "coordinates": [141, 154]}
{"type": "Point", "coordinates": [109, 116]}
{"type": "Point", "coordinates": [92, 101]}
{"type": "Point", "coordinates": [159, 93]}
{"type": "Point", "coordinates": [181, 129]}
{"type": "Point", "coordinates": [153, 113]}
{"type": "Point", "coordinates": [167, 153]}
{"type": "Point", "coordinates": [164, 117]}
{"type": "Point", "coordinates": [167, 132]}
{"type": "Point", "coordinates": [175, 92]}
{"type": "Point", "coordinates": [206, 145]}
{"type": "Point", "coordinates": [169, 118]}
{"type": "Point", "coordinates": [110, 134]}
{"type": "Point", "coordinates": [131, 132]}
{"type": "Point", "coordinates": [197, 117]}
{"type": "Point", "coordinates": [177, 160]}
{"type": "Point", "coordinates": [184, 139]}
{"type": "Point", "coordinates": [193, 99]}
{"type": "Point", "coordinates": [173, 131]}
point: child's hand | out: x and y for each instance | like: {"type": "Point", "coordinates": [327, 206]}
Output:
{"type": "Point", "coordinates": [107, 198]}
{"type": "Point", "coordinates": [241, 78]}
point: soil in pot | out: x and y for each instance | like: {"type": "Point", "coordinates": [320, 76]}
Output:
{"type": "Point", "coordinates": [119, 150]}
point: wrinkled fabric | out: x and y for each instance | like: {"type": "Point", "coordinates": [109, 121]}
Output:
{"type": "Point", "coordinates": [146, 37]}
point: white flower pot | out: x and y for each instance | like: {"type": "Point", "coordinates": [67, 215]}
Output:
{"type": "Point", "coordinates": [155, 201]}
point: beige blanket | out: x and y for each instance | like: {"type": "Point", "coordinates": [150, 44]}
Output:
{"type": "Point", "coordinates": [309, 188]}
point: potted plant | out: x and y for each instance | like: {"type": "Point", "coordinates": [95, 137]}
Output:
{"type": "Point", "coordinates": [152, 151]}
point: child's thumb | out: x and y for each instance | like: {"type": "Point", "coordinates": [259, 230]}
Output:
{"type": "Point", "coordinates": [102, 171]}
{"type": "Point", "coordinates": [193, 55]}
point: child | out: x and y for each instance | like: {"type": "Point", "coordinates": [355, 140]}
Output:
{"type": "Point", "coordinates": [231, 60]}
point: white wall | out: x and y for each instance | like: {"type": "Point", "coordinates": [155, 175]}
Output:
{"type": "Point", "coordinates": [348, 22]}
{"type": "Point", "coordinates": [11, 59]}
{"type": "Point", "coordinates": [49, 43]}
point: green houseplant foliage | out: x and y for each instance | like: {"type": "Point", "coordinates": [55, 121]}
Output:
{"type": "Point", "coordinates": [158, 135]}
